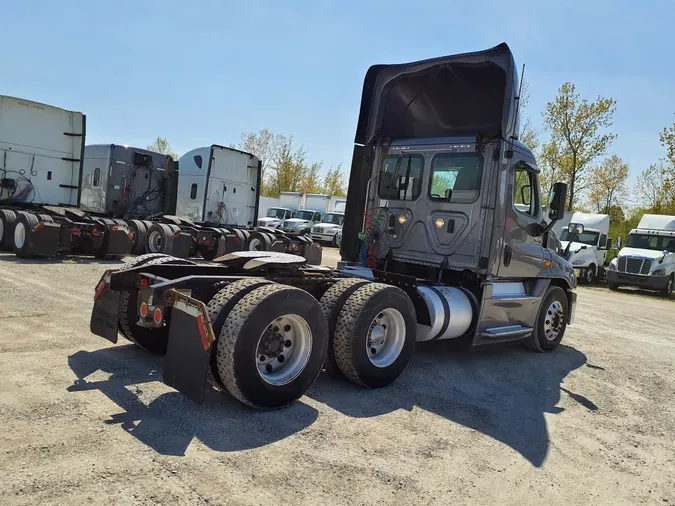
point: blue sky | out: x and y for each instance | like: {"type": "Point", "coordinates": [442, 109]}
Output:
{"type": "Point", "coordinates": [203, 72]}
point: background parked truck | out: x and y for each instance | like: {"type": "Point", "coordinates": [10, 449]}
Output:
{"type": "Point", "coordinates": [647, 259]}
{"type": "Point", "coordinates": [587, 250]}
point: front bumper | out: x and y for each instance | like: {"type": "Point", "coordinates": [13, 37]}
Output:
{"type": "Point", "coordinates": [648, 282]}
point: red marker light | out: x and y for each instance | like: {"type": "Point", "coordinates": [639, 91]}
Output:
{"type": "Point", "coordinates": [157, 316]}
{"type": "Point", "coordinates": [144, 310]}
{"type": "Point", "coordinates": [144, 283]}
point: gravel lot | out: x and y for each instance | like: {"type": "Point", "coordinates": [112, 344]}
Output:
{"type": "Point", "coordinates": [83, 421]}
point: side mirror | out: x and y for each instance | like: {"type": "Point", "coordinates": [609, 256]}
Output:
{"type": "Point", "coordinates": [575, 228]}
{"type": "Point", "coordinates": [558, 200]}
{"type": "Point", "coordinates": [618, 243]}
{"type": "Point", "coordinates": [608, 244]}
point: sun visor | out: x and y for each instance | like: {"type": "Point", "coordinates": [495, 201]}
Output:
{"type": "Point", "coordinates": [457, 95]}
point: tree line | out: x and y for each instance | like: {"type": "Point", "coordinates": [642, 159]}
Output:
{"type": "Point", "coordinates": [575, 148]}
{"type": "Point", "coordinates": [285, 167]}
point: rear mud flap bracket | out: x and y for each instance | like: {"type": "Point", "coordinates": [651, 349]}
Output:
{"type": "Point", "coordinates": [189, 349]}
{"type": "Point", "coordinates": [104, 314]}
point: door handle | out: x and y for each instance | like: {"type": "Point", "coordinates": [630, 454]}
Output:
{"type": "Point", "coordinates": [507, 255]}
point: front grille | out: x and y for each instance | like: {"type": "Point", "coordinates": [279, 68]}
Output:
{"type": "Point", "coordinates": [635, 265]}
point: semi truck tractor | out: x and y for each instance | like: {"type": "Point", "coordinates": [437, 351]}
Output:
{"type": "Point", "coordinates": [42, 166]}
{"type": "Point", "coordinates": [647, 259]}
{"type": "Point", "coordinates": [435, 249]}
{"type": "Point", "coordinates": [587, 251]}
{"type": "Point", "coordinates": [216, 210]}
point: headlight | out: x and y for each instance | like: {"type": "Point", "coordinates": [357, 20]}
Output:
{"type": "Point", "coordinates": [440, 223]}
{"type": "Point", "coordinates": [611, 266]}
{"type": "Point", "coordinates": [402, 219]}
{"type": "Point", "coordinates": [659, 272]}
{"type": "Point", "coordinates": [579, 262]}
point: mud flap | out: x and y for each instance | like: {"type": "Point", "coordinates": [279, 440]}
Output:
{"type": "Point", "coordinates": [189, 349]}
{"type": "Point", "coordinates": [104, 314]}
{"type": "Point", "coordinates": [44, 239]}
{"type": "Point", "coordinates": [181, 243]}
{"type": "Point", "coordinates": [120, 240]}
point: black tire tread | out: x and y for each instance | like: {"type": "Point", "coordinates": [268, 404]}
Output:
{"type": "Point", "coordinates": [230, 332]}
{"type": "Point", "coordinates": [345, 327]}
{"type": "Point", "coordinates": [532, 341]}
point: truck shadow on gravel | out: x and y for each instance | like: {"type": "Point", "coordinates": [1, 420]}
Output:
{"type": "Point", "coordinates": [170, 422]}
{"type": "Point", "coordinates": [11, 258]}
{"type": "Point", "coordinates": [502, 393]}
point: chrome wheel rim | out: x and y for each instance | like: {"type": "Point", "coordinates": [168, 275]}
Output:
{"type": "Point", "coordinates": [19, 235]}
{"type": "Point", "coordinates": [155, 241]}
{"type": "Point", "coordinates": [555, 316]}
{"type": "Point", "coordinates": [255, 245]}
{"type": "Point", "coordinates": [284, 349]}
{"type": "Point", "coordinates": [386, 338]}
{"type": "Point", "coordinates": [589, 275]}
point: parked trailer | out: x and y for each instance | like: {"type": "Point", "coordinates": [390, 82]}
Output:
{"type": "Point", "coordinates": [42, 153]}
{"type": "Point", "coordinates": [444, 254]}
{"type": "Point", "coordinates": [217, 209]}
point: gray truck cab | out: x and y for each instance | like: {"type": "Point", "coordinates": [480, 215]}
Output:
{"type": "Point", "coordinates": [442, 191]}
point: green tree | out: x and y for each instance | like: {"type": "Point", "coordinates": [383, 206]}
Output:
{"type": "Point", "coordinates": [312, 180]}
{"type": "Point", "coordinates": [334, 182]}
{"type": "Point", "coordinates": [655, 188]}
{"type": "Point", "coordinates": [576, 136]}
{"type": "Point", "coordinates": [265, 145]}
{"type": "Point", "coordinates": [608, 184]}
{"type": "Point", "coordinates": [667, 137]}
{"type": "Point", "coordinates": [161, 145]}
{"type": "Point", "coordinates": [288, 168]}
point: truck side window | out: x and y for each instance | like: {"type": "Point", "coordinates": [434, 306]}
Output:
{"type": "Point", "coordinates": [401, 177]}
{"type": "Point", "coordinates": [97, 177]}
{"type": "Point", "coordinates": [193, 191]}
{"type": "Point", "coordinates": [456, 177]}
{"type": "Point", "coordinates": [525, 195]}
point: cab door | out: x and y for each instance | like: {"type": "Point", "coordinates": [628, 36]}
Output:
{"type": "Point", "coordinates": [523, 254]}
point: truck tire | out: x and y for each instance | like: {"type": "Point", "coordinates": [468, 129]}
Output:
{"type": "Point", "coordinates": [612, 286]}
{"type": "Point", "coordinates": [152, 340]}
{"type": "Point", "coordinates": [160, 238]}
{"type": "Point", "coordinates": [272, 346]}
{"type": "Point", "coordinates": [45, 218]}
{"type": "Point", "coordinates": [241, 238]}
{"type": "Point", "coordinates": [551, 321]}
{"type": "Point", "coordinates": [173, 220]}
{"type": "Point", "coordinates": [140, 232]}
{"type": "Point", "coordinates": [668, 290]}
{"type": "Point", "coordinates": [375, 335]}
{"type": "Point", "coordinates": [220, 306]}
{"type": "Point", "coordinates": [257, 241]}
{"type": "Point", "coordinates": [331, 304]}
{"type": "Point", "coordinates": [22, 231]}
{"type": "Point", "coordinates": [7, 222]}
{"type": "Point", "coordinates": [589, 275]}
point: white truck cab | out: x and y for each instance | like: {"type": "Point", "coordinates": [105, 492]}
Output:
{"type": "Point", "coordinates": [275, 217]}
{"type": "Point", "coordinates": [301, 223]}
{"type": "Point", "coordinates": [648, 258]}
{"type": "Point", "coordinates": [588, 250]}
{"type": "Point", "coordinates": [327, 230]}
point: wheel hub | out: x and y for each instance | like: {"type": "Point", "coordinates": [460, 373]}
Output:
{"type": "Point", "coordinates": [19, 235]}
{"type": "Point", "coordinates": [284, 349]}
{"type": "Point", "coordinates": [386, 338]}
{"type": "Point", "coordinates": [553, 320]}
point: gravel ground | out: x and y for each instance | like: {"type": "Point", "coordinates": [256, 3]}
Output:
{"type": "Point", "coordinates": [84, 421]}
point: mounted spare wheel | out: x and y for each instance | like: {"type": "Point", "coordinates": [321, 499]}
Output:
{"type": "Point", "coordinates": [153, 340]}
{"type": "Point", "coordinates": [160, 238]}
{"type": "Point", "coordinates": [22, 233]}
{"type": "Point", "coordinates": [7, 222]}
{"type": "Point", "coordinates": [375, 335]}
{"type": "Point", "coordinates": [272, 346]}
{"type": "Point", "coordinates": [258, 241]}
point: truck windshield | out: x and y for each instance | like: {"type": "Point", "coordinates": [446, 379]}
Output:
{"type": "Point", "coordinates": [401, 177]}
{"type": "Point", "coordinates": [335, 219]}
{"type": "Point", "coordinates": [276, 213]}
{"type": "Point", "coordinates": [305, 215]}
{"type": "Point", "coordinates": [653, 242]}
{"type": "Point", "coordinates": [590, 238]}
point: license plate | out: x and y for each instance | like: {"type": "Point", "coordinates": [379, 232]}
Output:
{"type": "Point", "coordinates": [577, 272]}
